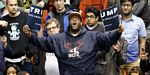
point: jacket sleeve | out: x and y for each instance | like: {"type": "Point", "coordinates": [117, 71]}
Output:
{"type": "Point", "coordinates": [121, 55]}
{"type": "Point", "coordinates": [44, 43]}
{"type": "Point", "coordinates": [107, 39]}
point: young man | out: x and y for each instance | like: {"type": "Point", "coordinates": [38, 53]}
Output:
{"type": "Point", "coordinates": [135, 34]}
{"type": "Point", "coordinates": [92, 17]}
{"type": "Point", "coordinates": [76, 48]}
{"type": "Point", "coordinates": [60, 12]}
{"type": "Point", "coordinates": [16, 38]}
{"type": "Point", "coordinates": [107, 63]}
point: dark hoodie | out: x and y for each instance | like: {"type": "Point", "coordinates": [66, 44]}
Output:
{"type": "Point", "coordinates": [76, 54]}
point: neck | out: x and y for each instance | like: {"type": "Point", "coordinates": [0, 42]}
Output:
{"type": "Point", "coordinates": [75, 33]}
{"type": "Point", "coordinates": [126, 17]}
{"type": "Point", "coordinates": [14, 15]}
{"type": "Point", "coordinates": [91, 27]}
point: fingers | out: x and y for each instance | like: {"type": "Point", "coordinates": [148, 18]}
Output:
{"type": "Point", "coordinates": [121, 29]}
{"type": "Point", "coordinates": [3, 23]}
{"type": "Point", "coordinates": [41, 4]}
{"type": "Point", "coordinates": [120, 21]}
{"type": "Point", "coordinates": [3, 39]}
{"type": "Point", "coordinates": [26, 29]}
{"type": "Point", "coordinates": [116, 47]}
{"type": "Point", "coordinates": [144, 56]}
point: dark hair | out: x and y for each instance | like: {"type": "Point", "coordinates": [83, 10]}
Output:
{"type": "Point", "coordinates": [132, 1]}
{"type": "Point", "coordinates": [93, 10]}
{"type": "Point", "coordinates": [14, 66]}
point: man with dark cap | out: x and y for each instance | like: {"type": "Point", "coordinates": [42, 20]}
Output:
{"type": "Point", "coordinates": [76, 48]}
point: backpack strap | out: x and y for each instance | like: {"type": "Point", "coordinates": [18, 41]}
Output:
{"type": "Point", "coordinates": [49, 15]}
{"type": "Point", "coordinates": [66, 22]}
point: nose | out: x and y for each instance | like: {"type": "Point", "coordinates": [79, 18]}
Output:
{"type": "Point", "coordinates": [125, 7]}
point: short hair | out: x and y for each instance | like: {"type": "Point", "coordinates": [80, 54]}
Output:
{"type": "Point", "coordinates": [14, 66]}
{"type": "Point", "coordinates": [132, 1]}
{"type": "Point", "coordinates": [49, 21]}
{"type": "Point", "coordinates": [93, 10]}
{"type": "Point", "coordinates": [8, 0]}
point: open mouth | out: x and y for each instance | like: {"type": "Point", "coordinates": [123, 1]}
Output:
{"type": "Point", "coordinates": [74, 23]}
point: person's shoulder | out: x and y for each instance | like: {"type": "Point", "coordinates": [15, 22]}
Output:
{"type": "Point", "coordinates": [58, 35]}
{"type": "Point", "coordinates": [137, 18]}
{"type": "Point", "coordinates": [5, 17]}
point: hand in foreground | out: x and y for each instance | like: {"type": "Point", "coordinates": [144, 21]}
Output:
{"type": "Point", "coordinates": [143, 55]}
{"type": "Point", "coordinates": [120, 28]}
{"type": "Point", "coordinates": [116, 47]}
{"type": "Point", "coordinates": [41, 4]}
{"type": "Point", "coordinates": [3, 23]}
{"type": "Point", "coordinates": [3, 39]}
{"type": "Point", "coordinates": [27, 30]}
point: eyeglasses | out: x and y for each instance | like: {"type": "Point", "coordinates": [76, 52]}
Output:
{"type": "Point", "coordinates": [51, 28]}
{"type": "Point", "coordinates": [90, 16]}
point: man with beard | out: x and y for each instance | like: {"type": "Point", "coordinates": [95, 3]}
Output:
{"type": "Point", "coordinates": [75, 48]}
{"type": "Point", "coordinates": [135, 33]}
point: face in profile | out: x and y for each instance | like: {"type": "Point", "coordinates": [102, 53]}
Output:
{"type": "Point", "coordinates": [11, 71]}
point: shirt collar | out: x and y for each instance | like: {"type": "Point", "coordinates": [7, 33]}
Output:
{"type": "Point", "coordinates": [130, 19]}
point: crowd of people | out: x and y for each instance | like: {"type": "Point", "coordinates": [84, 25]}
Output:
{"type": "Point", "coordinates": [72, 44]}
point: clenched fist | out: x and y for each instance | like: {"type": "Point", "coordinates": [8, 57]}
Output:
{"type": "Point", "coordinates": [27, 30]}
{"type": "Point", "coordinates": [3, 23]}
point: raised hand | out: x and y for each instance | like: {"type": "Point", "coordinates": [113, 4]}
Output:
{"type": "Point", "coordinates": [120, 28]}
{"type": "Point", "coordinates": [143, 55]}
{"type": "Point", "coordinates": [41, 4]}
{"type": "Point", "coordinates": [3, 39]}
{"type": "Point", "coordinates": [116, 47]}
{"type": "Point", "coordinates": [27, 30]}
